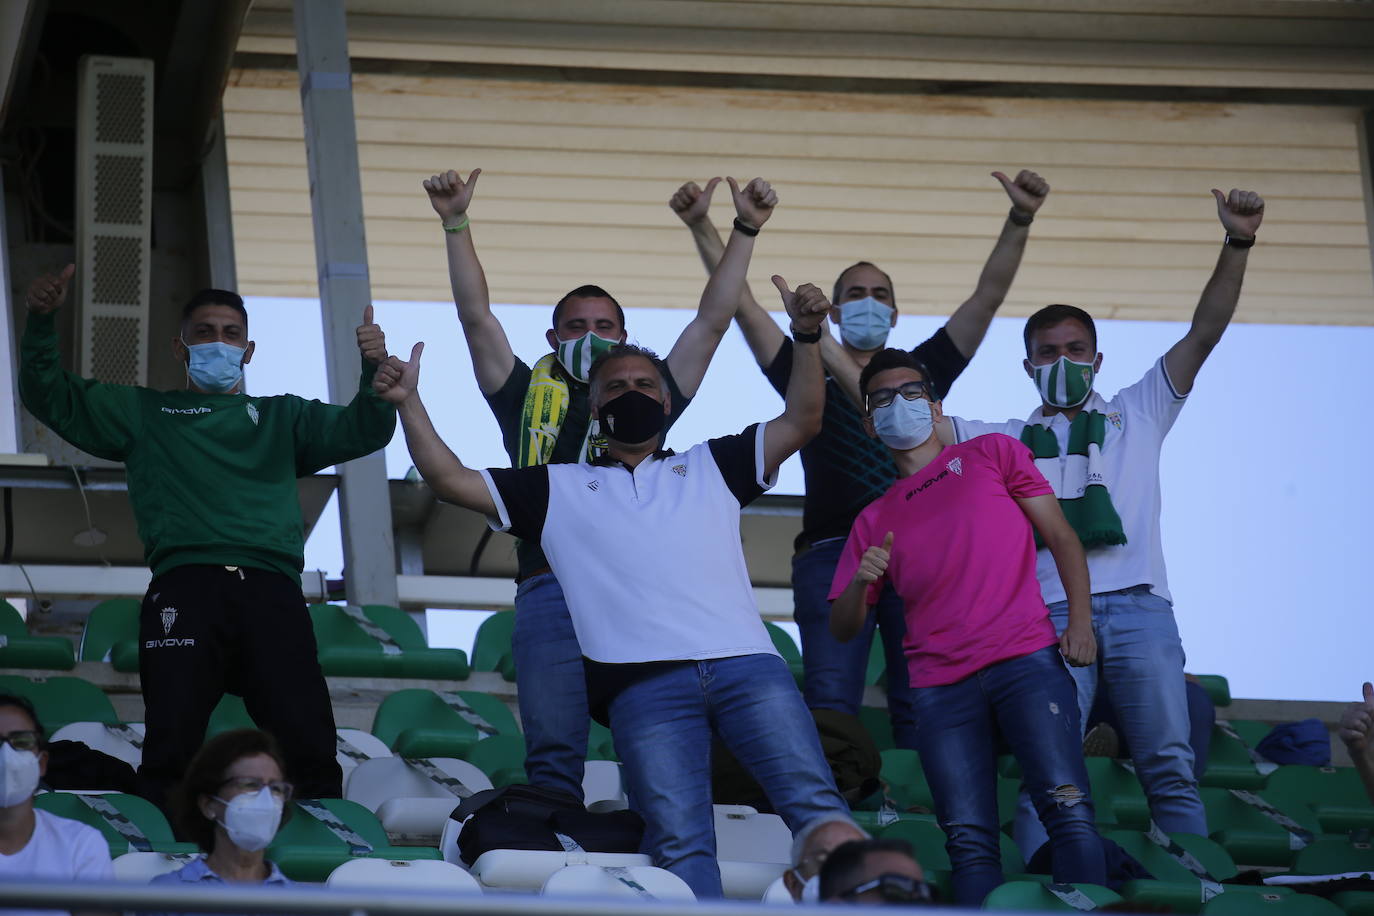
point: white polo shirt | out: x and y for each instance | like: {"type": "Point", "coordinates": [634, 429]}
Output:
{"type": "Point", "coordinates": [649, 559]}
{"type": "Point", "coordinates": [1138, 419]}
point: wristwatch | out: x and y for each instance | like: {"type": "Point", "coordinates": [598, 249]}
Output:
{"type": "Point", "coordinates": [1236, 241]}
{"type": "Point", "coordinates": [802, 337]}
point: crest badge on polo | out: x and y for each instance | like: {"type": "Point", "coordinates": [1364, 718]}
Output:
{"type": "Point", "coordinates": [1064, 383]}
{"type": "Point", "coordinates": [577, 356]}
{"type": "Point", "coordinates": [252, 412]}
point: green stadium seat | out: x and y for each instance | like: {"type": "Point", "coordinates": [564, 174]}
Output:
{"type": "Point", "coordinates": [1355, 903]}
{"type": "Point", "coordinates": [18, 649]}
{"type": "Point", "coordinates": [879, 725]}
{"type": "Point", "coordinates": [782, 641]}
{"type": "Point", "coordinates": [600, 743]}
{"type": "Point", "coordinates": [1229, 765]}
{"type": "Point", "coordinates": [1037, 897]}
{"type": "Point", "coordinates": [111, 634]}
{"type": "Point", "coordinates": [491, 648]}
{"type": "Point", "coordinates": [149, 828]}
{"type": "Point", "coordinates": [61, 701]}
{"type": "Point", "coordinates": [1174, 886]}
{"type": "Point", "coordinates": [877, 663]}
{"type": "Point", "coordinates": [418, 723]}
{"type": "Point", "coordinates": [1333, 855]}
{"type": "Point", "coordinates": [906, 781]}
{"type": "Point", "coordinates": [229, 714]}
{"type": "Point", "coordinates": [1335, 795]}
{"type": "Point", "coordinates": [1117, 796]}
{"type": "Point", "coordinates": [346, 650]}
{"type": "Point", "coordinates": [501, 757]}
{"type": "Point", "coordinates": [1248, 834]}
{"type": "Point", "coordinates": [1279, 901]}
{"type": "Point", "coordinates": [306, 850]}
{"type": "Point", "coordinates": [1217, 687]}
{"type": "Point", "coordinates": [928, 842]}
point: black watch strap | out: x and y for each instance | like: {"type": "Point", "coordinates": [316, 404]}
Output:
{"type": "Point", "coordinates": [800, 337]}
{"type": "Point", "coordinates": [1239, 242]}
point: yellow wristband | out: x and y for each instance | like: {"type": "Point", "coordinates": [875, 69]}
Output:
{"type": "Point", "coordinates": [458, 226]}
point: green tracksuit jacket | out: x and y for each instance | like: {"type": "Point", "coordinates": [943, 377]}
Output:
{"type": "Point", "coordinates": [212, 477]}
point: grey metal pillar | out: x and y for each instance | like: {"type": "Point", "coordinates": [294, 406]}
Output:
{"type": "Point", "coordinates": [219, 224]}
{"type": "Point", "coordinates": [1366, 134]}
{"type": "Point", "coordinates": [336, 204]}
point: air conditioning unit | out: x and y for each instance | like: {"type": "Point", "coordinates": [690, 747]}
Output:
{"type": "Point", "coordinates": [114, 195]}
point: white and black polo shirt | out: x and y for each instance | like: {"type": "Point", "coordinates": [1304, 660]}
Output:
{"type": "Point", "coordinates": [649, 559]}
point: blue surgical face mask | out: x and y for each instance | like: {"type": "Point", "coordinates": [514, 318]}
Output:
{"type": "Point", "coordinates": [903, 424]}
{"type": "Point", "coordinates": [865, 323]}
{"type": "Point", "coordinates": [214, 367]}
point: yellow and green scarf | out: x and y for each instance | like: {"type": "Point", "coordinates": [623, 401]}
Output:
{"type": "Point", "coordinates": [546, 407]}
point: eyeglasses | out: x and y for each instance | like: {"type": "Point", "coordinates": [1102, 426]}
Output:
{"type": "Point", "coordinates": [882, 397]}
{"type": "Point", "coordinates": [24, 740]}
{"type": "Point", "coordinates": [893, 888]}
{"type": "Point", "coordinates": [246, 784]}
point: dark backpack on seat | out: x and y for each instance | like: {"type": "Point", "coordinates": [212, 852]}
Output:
{"type": "Point", "coordinates": [529, 817]}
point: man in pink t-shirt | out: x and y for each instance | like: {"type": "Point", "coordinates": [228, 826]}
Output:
{"type": "Point", "coordinates": [953, 536]}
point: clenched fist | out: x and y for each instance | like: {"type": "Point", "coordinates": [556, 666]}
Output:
{"type": "Point", "coordinates": [1027, 192]}
{"type": "Point", "coordinates": [690, 202]}
{"type": "Point", "coordinates": [48, 292]}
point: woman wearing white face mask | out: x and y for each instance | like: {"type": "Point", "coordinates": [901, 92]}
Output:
{"type": "Point", "coordinates": [231, 803]}
{"type": "Point", "coordinates": [35, 844]}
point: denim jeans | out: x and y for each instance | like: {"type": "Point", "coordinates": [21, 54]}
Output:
{"type": "Point", "coordinates": [1140, 664]}
{"type": "Point", "coordinates": [552, 686]}
{"type": "Point", "coordinates": [663, 725]}
{"type": "Point", "coordinates": [1031, 701]}
{"type": "Point", "coordinates": [835, 671]}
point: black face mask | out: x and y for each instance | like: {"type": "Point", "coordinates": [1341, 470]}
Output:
{"type": "Point", "coordinates": [632, 418]}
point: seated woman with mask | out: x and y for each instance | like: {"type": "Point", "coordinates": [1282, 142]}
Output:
{"type": "Point", "coordinates": [231, 803]}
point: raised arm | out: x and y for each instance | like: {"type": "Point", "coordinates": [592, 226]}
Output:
{"type": "Point", "coordinates": [762, 334]}
{"type": "Point", "coordinates": [327, 433]}
{"type": "Point", "coordinates": [692, 353]}
{"type": "Point", "coordinates": [849, 611]}
{"type": "Point", "coordinates": [1357, 731]}
{"type": "Point", "coordinates": [800, 420]}
{"type": "Point", "coordinates": [398, 381]}
{"type": "Point", "coordinates": [1077, 644]}
{"type": "Point", "coordinates": [1241, 213]}
{"type": "Point", "coordinates": [492, 357]}
{"type": "Point", "coordinates": [969, 323]}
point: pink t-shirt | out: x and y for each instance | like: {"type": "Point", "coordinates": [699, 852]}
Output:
{"type": "Point", "coordinates": [963, 559]}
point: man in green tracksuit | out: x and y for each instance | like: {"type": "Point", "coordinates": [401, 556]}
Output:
{"type": "Point", "coordinates": [212, 478]}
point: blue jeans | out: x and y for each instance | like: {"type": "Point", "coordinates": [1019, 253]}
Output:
{"type": "Point", "coordinates": [1031, 701]}
{"type": "Point", "coordinates": [552, 686]}
{"type": "Point", "coordinates": [835, 671]}
{"type": "Point", "coordinates": [1140, 664]}
{"type": "Point", "coordinates": [663, 725]}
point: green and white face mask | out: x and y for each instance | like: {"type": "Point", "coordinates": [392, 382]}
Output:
{"type": "Point", "coordinates": [1064, 383]}
{"type": "Point", "coordinates": [578, 355]}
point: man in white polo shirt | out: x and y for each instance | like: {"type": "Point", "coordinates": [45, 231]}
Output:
{"type": "Point", "coordinates": [647, 546]}
{"type": "Point", "coordinates": [1102, 458]}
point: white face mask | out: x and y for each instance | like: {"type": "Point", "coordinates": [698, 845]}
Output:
{"type": "Point", "coordinates": [865, 323]}
{"type": "Point", "coordinates": [903, 424]}
{"type": "Point", "coordinates": [811, 889]}
{"type": "Point", "coordinates": [252, 820]}
{"type": "Point", "coordinates": [18, 775]}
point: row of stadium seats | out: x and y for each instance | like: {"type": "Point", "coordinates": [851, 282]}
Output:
{"type": "Point", "coordinates": [372, 641]}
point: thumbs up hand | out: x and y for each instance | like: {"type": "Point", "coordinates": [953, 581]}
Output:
{"type": "Point", "coordinates": [1356, 726]}
{"type": "Point", "coordinates": [873, 564]}
{"type": "Point", "coordinates": [48, 292]}
{"type": "Point", "coordinates": [371, 340]}
{"type": "Point", "coordinates": [396, 379]}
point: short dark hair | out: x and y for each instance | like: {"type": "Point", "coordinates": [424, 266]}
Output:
{"type": "Point", "coordinates": [588, 291]}
{"type": "Point", "coordinates": [205, 775]}
{"type": "Point", "coordinates": [892, 358]}
{"type": "Point", "coordinates": [214, 297]}
{"type": "Point", "coordinates": [623, 351]}
{"type": "Point", "coordinates": [25, 705]}
{"type": "Point", "coordinates": [1051, 315]}
{"type": "Point", "coordinates": [846, 860]}
{"type": "Point", "coordinates": [835, 294]}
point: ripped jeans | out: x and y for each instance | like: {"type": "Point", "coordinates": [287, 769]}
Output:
{"type": "Point", "coordinates": [1031, 701]}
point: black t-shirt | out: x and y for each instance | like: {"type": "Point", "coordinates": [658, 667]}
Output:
{"type": "Point", "coordinates": [844, 468]}
{"type": "Point", "coordinates": [508, 406]}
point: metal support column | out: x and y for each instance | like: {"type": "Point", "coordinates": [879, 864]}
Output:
{"type": "Point", "coordinates": [1366, 134]}
{"type": "Point", "coordinates": [219, 224]}
{"type": "Point", "coordinates": [336, 203]}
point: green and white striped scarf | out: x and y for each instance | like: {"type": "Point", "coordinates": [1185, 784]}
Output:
{"type": "Point", "coordinates": [1080, 481]}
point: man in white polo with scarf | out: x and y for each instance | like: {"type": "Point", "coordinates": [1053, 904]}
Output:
{"type": "Point", "coordinates": [1102, 458]}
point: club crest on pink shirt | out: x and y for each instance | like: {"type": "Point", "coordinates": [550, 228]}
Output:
{"type": "Point", "coordinates": [957, 466]}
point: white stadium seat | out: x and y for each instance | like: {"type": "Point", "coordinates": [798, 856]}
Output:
{"type": "Point", "coordinates": [753, 850]}
{"type": "Point", "coordinates": [410, 805]}
{"type": "Point", "coordinates": [593, 881]}
{"type": "Point", "coordinates": [603, 789]}
{"type": "Point", "coordinates": [527, 869]}
{"type": "Point", "coordinates": [142, 867]}
{"type": "Point", "coordinates": [420, 875]}
{"type": "Point", "coordinates": [362, 742]}
{"type": "Point", "coordinates": [100, 737]}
